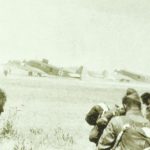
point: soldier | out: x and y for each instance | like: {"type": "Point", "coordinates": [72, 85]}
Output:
{"type": "Point", "coordinates": [127, 132]}
{"type": "Point", "coordinates": [146, 101]}
{"type": "Point", "coordinates": [91, 119]}
{"type": "Point", "coordinates": [2, 100]}
{"type": "Point", "coordinates": [5, 72]}
{"type": "Point", "coordinates": [117, 111]}
{"type": "Point", "coordinates": [100, 115]}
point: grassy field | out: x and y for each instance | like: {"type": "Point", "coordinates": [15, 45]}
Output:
{"type": "Point", "coordinates": [49, 113]}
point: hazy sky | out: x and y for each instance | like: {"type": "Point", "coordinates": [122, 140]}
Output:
{"type": "Point", "coordinates": [95, 33]}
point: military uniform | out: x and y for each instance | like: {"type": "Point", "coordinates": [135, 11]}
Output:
{"type": "Point", "coordinates": [115, 126]}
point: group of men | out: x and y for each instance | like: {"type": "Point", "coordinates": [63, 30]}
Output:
{"type": "Point", "coordinates": [122, 128]}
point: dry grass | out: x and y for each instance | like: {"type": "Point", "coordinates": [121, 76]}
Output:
{"type": "Point", "coordinates": [48, 114]}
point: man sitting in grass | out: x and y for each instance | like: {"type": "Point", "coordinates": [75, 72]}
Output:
{"type": "Point", "coordinates": [2, 100]}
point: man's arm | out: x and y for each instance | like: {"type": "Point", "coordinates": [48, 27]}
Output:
{"type": "Point", "coordinates": [108, 137]}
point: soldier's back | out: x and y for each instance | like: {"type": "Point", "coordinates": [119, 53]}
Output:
{"type": "Point", "coordinates": [133, 137]}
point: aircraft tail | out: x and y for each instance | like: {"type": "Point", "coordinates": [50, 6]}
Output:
{"type": "Point", "coordinates": [79, 71]}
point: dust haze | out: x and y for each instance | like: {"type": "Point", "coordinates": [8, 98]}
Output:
{"type": "Point", "coordinates": [99, 35]}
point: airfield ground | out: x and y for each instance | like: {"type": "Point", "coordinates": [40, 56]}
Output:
{"type": "Point", "coordinates": [49, 113]}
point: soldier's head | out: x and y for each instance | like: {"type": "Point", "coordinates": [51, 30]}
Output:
{"type": "Point", "coordinates": [2, 100]}
{"type": "Point", "coordinates": [131, 101]}
{"type": "Point", "coordinates": [130, 91]}
{"type": "Point", "coordinates": [146, 98]}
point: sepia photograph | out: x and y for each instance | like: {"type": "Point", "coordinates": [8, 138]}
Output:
{"type": "Point", "coordinates": [74, 75]}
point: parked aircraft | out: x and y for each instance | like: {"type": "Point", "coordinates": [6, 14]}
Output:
{"type": "Point", "coordinates": [134, 76]}
{"type": "Point", "coordinates": [53, 70]}
{"type": "Point", "coordinates": [31, 71]}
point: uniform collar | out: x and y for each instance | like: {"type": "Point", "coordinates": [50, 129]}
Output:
{"type": "Point", "coordinates": [134, 112]}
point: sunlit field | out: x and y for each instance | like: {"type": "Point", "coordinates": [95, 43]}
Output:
{"type": "Point", "coordinates": [49, 113]}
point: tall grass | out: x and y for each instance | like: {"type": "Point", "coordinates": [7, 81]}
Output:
{"type": "Point", "coordinates": [32, 138]}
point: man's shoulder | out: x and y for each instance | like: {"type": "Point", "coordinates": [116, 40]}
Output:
{"type": "Point", "coordinates": [122, 120]}
{"type": "Point", "coordinates": [118, 122]}
{"type": "Point", "coordinates": [118, 119]}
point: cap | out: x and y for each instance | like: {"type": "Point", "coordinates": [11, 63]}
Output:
{"type": "Point", "coordinates": [130, 91]}
{"type": "Point", "coordinates": [133, 96]}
